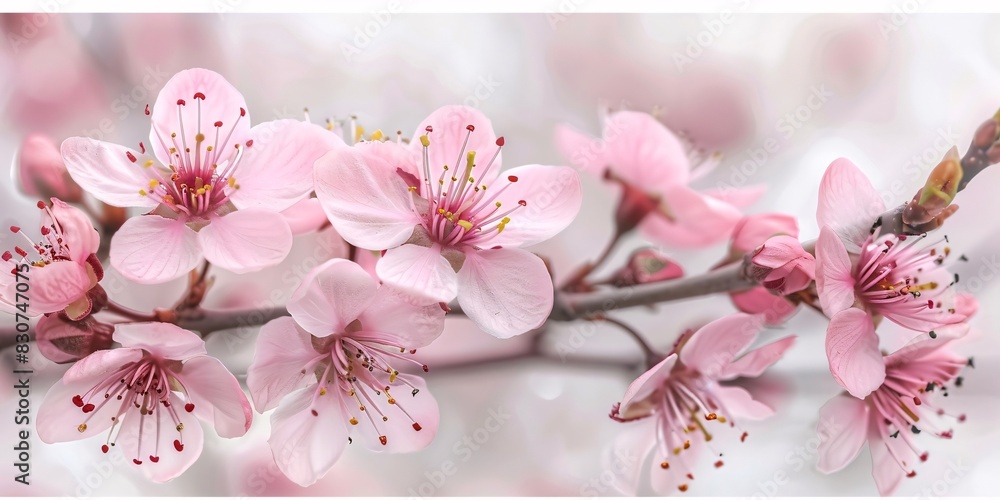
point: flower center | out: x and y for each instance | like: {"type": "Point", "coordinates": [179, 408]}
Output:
{"type": "Point", "coordinates": [895, 276]}
{"type": "Point", "coordinates": [51, 248]}
{"type": "Point", "coordinates": [194, 184]}
{"type": "Point", "coordinates": [460, 210]}
{"type": "Point", "coordinates": [141, 389]}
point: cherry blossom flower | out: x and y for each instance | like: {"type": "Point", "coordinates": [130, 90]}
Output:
{"type": "Point", "coordinates": [862, 275]}
{"type": "Point", "coordinates": [331, 371]}
{"type": "Point", "coordinates": [782, 266]}
{"type": "Point", "coordinates": [751, 232]}
{"type": "Point", "coordinates": [145, 396]}
{"type": "Point", "coordinates": [890, 417]}
{"type": "Point", "coordinates": [451, 225]}
{"type": "Point", "coordinates": [213, 185]}
{"type": "Point", "coordinates": [42, 173]}
{"type": "Point", "coordinates": [652, 165]}
{"type": "Point", "coordinates": [64, 271]}
{"type": "Point", "coordinates": [681, 402]}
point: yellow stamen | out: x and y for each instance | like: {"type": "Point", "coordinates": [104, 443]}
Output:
{"type": "Point", "coordinates": [392, 376]}
{"type": "Point", "coordinates": [149, 163]}
{"type": "Point", "coordinates": [153, 183]}
{"type": "Point", "coordinates": [231, 182]}
{"type": "Point", "coordinates": [82, 428]}
{"type": "Point", "coordinates": [322, 391]}
{"type": "Point", "coordinates": [466, 224]}
{"type": "Point", "coordinates": [142, 192]}
{"type": "Point", "coordinates": [354, 421]}
{"type": "Point", "coordinates": [377, 135]}
{"type": "Point", "coordinates": [425, 141]}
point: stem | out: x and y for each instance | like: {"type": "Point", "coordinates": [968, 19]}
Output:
{"type": "Point", "coordinates": [648, 353]}
{"type": "Point", "coordinates": [203, 274]}
{"type": "Point", "coordinates": [578, 276]}
{"type": "Point", "coordinates": [208, 321]}
{"type": "Point", "coordinates": [125, 312]}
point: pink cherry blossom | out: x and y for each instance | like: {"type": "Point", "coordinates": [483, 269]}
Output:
{"type": "Point", "coordinates": [782, 266]}
{"type": "Point", "coordinates": [751, 232]}
{"type": "Point", "coordinates": [145, 396]}
{"type": "Point", "coordinates": [890, 418]}
{"type": "Point", "coordinates": [213, 185]}
{"type": "Point", "coordinates": [64, 271]}
{"type": "Point", "coordinates": [331, 371]}
{"type": "Point", "coordinates": [41, 171]}
{"type": "Point", "coordinates": [451, 223]}
{"type": "Point", "coordinates": [641, 153]}
{"type": "Point", "coordinates": [681, 402]}
{"type": "Point", "coordinates": [862, 275]}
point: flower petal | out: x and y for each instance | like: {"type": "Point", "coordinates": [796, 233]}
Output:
{"type": "Point", "coordinates": [695, 220]}
{"type": "Point", "coordinates": [758, 300]}
{"type": "Point", "coordinates": [753, 230]}
{"type": "Point", "coordinates": [245, 241]}
{"type": "Point", "coordinates": [852, 350]}
{"type": "Point", "coordinates": [222, 102]}
{"type": "Point", "coordinates": [101, 363]}
{"type": "Point", "coordinates": [59, 419]}
{"type": "Point", "coordinates": [283, 350]}
{"type": "Point", "coordinates": [169, 462]}
{"type": "Point", "coordinates": [216, 395]}
{"type": "Point", "coordinates": [152, 249]}
{"type": "Point", "coordinates": [834, 276]}
{"type": "Point", "coordinates": [54, 286]}
{"type": "Point", "coordinates": [77, 231]}
{"type": "Point", "coordinates": [505, 291]}
{"type": "Point", "coordinates": [712, 348]}
{"type": "Point", "coordinates": [753, 363]}
{"type": "Point", "coordinates": [399, 431]}
{"type": "Point", "coordinates": [105, 171]}
{"type": "Point", "coordinates": [331, 296]}
{"type": "Point", "coordinates": [583, 151]}
{"type": "Point", "coordinates": [277, 169]}
{"type": "Point", "coordinates": [843, 430]}
{"type": "Point", "coordinates": [626, 455]}
{"type": "Point", "coordinates": [419, 270]}
{"type": "Point", "coordinates": [305, 446]}
{"type": "Point", "coordinates": [449, 135]}
{"type": "Point", "coordinates": [553, 196]}
{"type": "Point", "coordinates": [305, 216]}
{"type": "Point", "coordinates": [848, 203]}
{"type": "Point", "coordinates": [365, 199]}
{"type": "Point", "coordinates": [740, 404]}
{"type": "Point", "coordinates": [885, 469]}
{"type": "Point", "coordinates": [402, 318]}
{"type": "Point", "coordinates": [165, 340]}
{"type": "Point", "coordinates": [644, 152]}
{"type": "Point", "coordinates": [738, 197]}
{"type": "Point", "coordinates": [632, 404]}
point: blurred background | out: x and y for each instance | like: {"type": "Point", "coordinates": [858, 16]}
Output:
{"type": "Point", "coordinates": [892, 92]}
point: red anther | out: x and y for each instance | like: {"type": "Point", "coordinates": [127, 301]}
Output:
{"type": "Point", "coordinates": [500, 141]}
{"type": "Point", "coordinates": [137, 461]}
{"type": "Point", "coordinates": [416, 426]}
{"type": "Point", "coordinates": [78, 401]}
{"type": "Point", "coordinates": [428, 129]}
{"type": "Point", "coordinates": [916, 400]}
{"type": "Point", "coordinates": [218, 124]}
{"type": "Point", "coordinates": [470, 128]}
{"type": "Point", "coordinates": [154, 459]}
{"type": "Point", "coordinates": [147, 110]}
{"type": "Point", "coordinates": [961, 418]}
{"type": "Point", "coordinates": [718, 464]}
{"type": "Point", "coordinates": [40, 205]}
{"type": "Point", "coordinates": [104, 448]}
{"type": "Point", "coordinates": [45, 230]}
{"type": "Point", "coordinates": [947, 434]}
{"type": "Point", "coordinates": [413, 351]}
{"type": "Point", "coordinates": [131, 157]}
{"type": "Point", "coordinates": [522, 203]}
{"type": "Point", "coordinates": [87, 408]}
{"type": "Point", "coordinates": [250, 143]}
{"type": "Point", "coordinates": [199, 95]}
{"type": "Point", "coordinates": [690, 476]}
{"type": "Point", "coordinates": [683, 488]}
{"type": "Point", "coordinates": [142, 147]}
{"type": "Point", "coordinates": [383, 440]}
{"type": "Point", "coordinates": [315, 413]}
{"type": "Point", "coordinates": [180, 102]}
{"type": "Point", "coordinates": [912, 474]}
{"type": "Point", "coordinates": [178, 446]}
{"type": "Point", "coordinates": [7, 256]}
{"type": "Point", "coordinates": [15, 229]}
{"type": "Point", "coordinates": [189, 407]}
{"type": "Point", "coordinates": [923, 457]}
{"type": "Point", "coordinates": [743, 438]}
{"type": "Point", "coordinates": [512, 178]}
{"type": "Point", "coordinates": [20, 251]}
{"type": "Point", "coordinates": [243, 112]}
{"type": "Point", "coordinates": [426, 369]}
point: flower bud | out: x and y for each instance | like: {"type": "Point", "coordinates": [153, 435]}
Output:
{"type": "Point", "coordinates": [647, 266]}
{"type": "Point", "coordinates": [753, 230]}
{"type": "Point", "coordinates": [938, 192]}
{"type": "Point", "coordinates": [781, 265]}
{"type": "Point", "coordinates": [42, 173]}
{"type": "Point", "coordinates": [64, 341]}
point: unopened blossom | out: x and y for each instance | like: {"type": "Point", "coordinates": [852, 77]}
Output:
{"type": "Point", "coordinates": [64, 341]}
{"type": "Point", "coordinates": [681, 403]}
{"type": "Point", "coordinates": [213, 186]}
{"type": "Point", "coordinates": [147, 398]}
{"type": "Point", "coordinates": [782, 266]}
{"type": "Point", "coordinates": [654, 169]}
{"type": "Point", "coordinates": [450, 221]}
{"type": "Point", "coordinates": [892, 418]}
{"type": "Point", "coordinates": [41, 171]}
{"type": "Point", "coordinates": [63, 270]}
{"type": "Point", "coordinates": [863, 275]}
{"type": "Point", "coordinates": [332, 371]}
{"type": "Point", "coordinates": [750, 233]}
{"type": "Point", "coordinates": [647, 265]}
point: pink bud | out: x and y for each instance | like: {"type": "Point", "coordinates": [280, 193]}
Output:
{"type": "Point", "coordinates": [42, 173]}
{"type": "Point", "coordinates": [782, 265]}
{"type": "Point", "coordinates": [64, 341]}
{"type": "Point", "coordinates": [647, 266]}
{"type": "Point", "coordinates": [753, 230]}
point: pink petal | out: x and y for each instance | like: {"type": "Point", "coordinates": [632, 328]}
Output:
{"type": "Point", "coordinates": [924, 355]}
{"type": "Point", "coordinates": [397, 156]}
{"type": "Point", "coordinates": [739, 197]}
{"type": "Point", "coordinates": [834, 275]}
{"type": "Point", "coordinates": [420, 271]}
{"type": "Point", "coordinates": [753, 363]}
{"type": "Point", "coordinates": [41, 171]}
{"type": "Point", "coordinates": [222, 103]}
{"type": "Point", "coordinates": [408, 320]}
{"type": "Point", "coordinates": [283, 349]}
{"type": "Point", "coordinates": [753, 230]}
{"type": "Point", "coordinates": [885, 470]}
{"type": "Point", "coordinates": [305, 216]}
{"type": "Point", "coordinates": [331, 296]}
{"type": "Point", "coordinates": [848, 203]}
{"type": "Point", "coordinates": [365, 199]}
{"type": "Point", "coordinates": [758, 300]}
{"type": "Point", "coordinates": [583, 151]}
{"type": "Point", "coordinates": [449, 123]}
{"type": "Point", "coordinates": [245, 241]}
{"type": "Point", "coordinates": [645, 153]}
{"type": "Point", "coordinates": [305, 446]}
{"type": "Point", "coordinates": [506, 291]}
{"type": "Point", "coordinates": [668, 481]}
{"type": "Point", "coordinates": [170, 463]}
{"type": "Point", "coordinates": [63, 341]}
{"type": "Point", "coordinates": [778, 251]}
{"type": "Point", "coordinates": [58, 418]}
{"type": "Point", "coordinates": [843, 430]}
{"type": "Point", "coordinates": [713, 346]}
{"type": "Point", "coordinates": [852, 350]}
{"type": "Point", "coordinates": [698, 220]}
{"type": "Point", "coordinates": [216, 395]}
{"type": "Point", "coordinates": [77, 231]}
{"type": "Point", "coordinates": [54, 286]}
{"type": "Point", "coordinates": [626, 455]}
{"type": "Point", "coordinates": [152, 249]}
{"type": "Point", "coordinates": [277, 169]}
{"type": "Point", "coordinates": [105, 171]}
{"type": "Point", "coordinates": [399, 431]}
{"type": "Point", "coordinates": [100, 363]}
{"type": "Point", "coordinates": [740, 404]}
{"type": "Point", "coordinates": [633, 404]}
{"type": "Point", "coordinates": [165, 340]}
{"type": "Point", "coordinates": [552, 195]}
